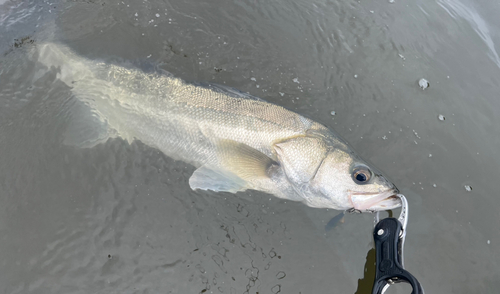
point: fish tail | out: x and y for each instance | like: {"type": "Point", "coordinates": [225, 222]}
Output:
{"type": "Point", "coordinates": [88, 126]}
{"type": "Point", "coordinates": [68, 64]}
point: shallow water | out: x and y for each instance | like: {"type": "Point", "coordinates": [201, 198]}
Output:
{"type": "Point", "coordinates": [120, 217]}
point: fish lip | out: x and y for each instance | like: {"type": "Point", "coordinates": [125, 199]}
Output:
{"type": "Point", "coordinates": [369, 200]}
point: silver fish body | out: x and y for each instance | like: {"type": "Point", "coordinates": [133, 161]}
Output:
{"type": "Point", "coordinates": [236, 141]}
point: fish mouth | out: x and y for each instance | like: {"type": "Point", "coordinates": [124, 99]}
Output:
{"type": "Point", "coordinates": [374, 201]}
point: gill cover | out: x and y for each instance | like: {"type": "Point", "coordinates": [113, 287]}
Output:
{"type": "Point", "coordinates": [301, 157]}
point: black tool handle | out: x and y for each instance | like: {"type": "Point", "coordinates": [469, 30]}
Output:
{"type": "Point", "coordinates": [389, 268]}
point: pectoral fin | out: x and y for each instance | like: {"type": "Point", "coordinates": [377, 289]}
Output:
{"type": "Point", "coordinates": [335, 221]}
{"type": "Point", "coordinates": [238, 167]}
{"type": "Point", "coordinates": [246, 162]}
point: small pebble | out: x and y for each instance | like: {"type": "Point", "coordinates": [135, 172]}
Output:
{"type": "Point", "coordinates": [441, 117]}
{"type": "Point", "coordinates": [423, 83]}
{"type": "Point", "coordinates": [430, 155]}
{"type": "Point", "coordinates": [333, 112]}
{"type": "Point", "coordinates": [355, 76]}
{"type": "Point", "coordinates": [488, 242]}
{"type": "Point", "coordinates": [468, 188]}
{"type": "Point", "coordinates": [434, 185]}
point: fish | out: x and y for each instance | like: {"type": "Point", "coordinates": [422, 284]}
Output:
{"type": "Point", "coordinates": [235, 141]}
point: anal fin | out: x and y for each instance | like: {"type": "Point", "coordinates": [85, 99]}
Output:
{"type": "Point", "coordinates": [85, 128]}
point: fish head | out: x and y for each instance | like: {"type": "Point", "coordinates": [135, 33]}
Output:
{"type": "Point", "coordinates": [327, 176]}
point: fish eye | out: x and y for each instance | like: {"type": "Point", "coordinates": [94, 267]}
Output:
{"type": "Point", "coordinates": [361, 175]}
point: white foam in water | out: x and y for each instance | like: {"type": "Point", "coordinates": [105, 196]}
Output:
{"type": "Point", "coordinates": [423, 83]}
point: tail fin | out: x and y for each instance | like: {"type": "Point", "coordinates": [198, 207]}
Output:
{"type": "Point", "coordinates": [70, 65]}
{"type": "Point", "coordinates": [87, 127]}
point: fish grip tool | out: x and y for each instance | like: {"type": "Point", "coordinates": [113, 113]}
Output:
{"type": "Point", "coordinates": [389, 236]}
